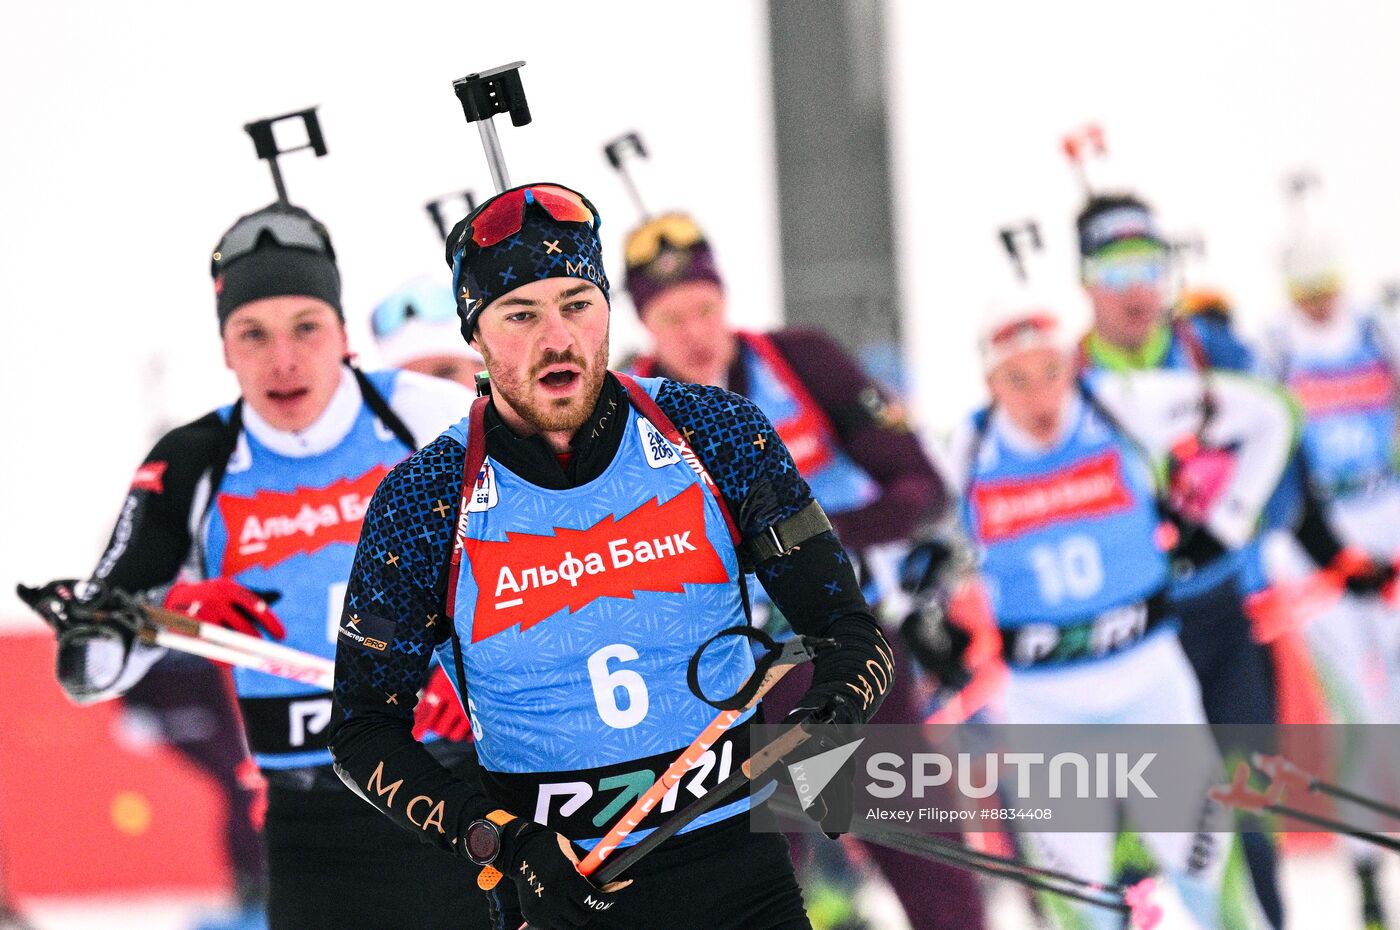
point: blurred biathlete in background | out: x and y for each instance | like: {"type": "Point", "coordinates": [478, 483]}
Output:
{"type": "Point", "coordinates": [1340, 363]}
{"type": "Point", "coordinates": [1075, 539]}
{"type": "Point", "coordinates": [416, 328]}
{"type": "Point", "coordinates": [261, 501]}
{"type": "Point", "coordinates": [1124, 270]}
{"type": "Point", "coordinates": [189, 703]}
{"type": "Point", "coordinates": [848, 439]}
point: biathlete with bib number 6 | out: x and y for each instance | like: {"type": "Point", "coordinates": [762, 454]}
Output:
{"type": "Point", "coordinates": [569, 545]}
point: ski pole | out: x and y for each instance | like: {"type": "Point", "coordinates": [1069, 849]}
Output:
{"type": "Point", "coordinates": [1277, 768]}
{"type": "Point", "coordinates": [913, 846]}
{"type": "Point", "coordinates": [749, 772]}
{"type": "Point", "coordinates": [1134, 900]}
{"type": "Point", "coordinates": [176, 631]}
{"type": "Point", "coordinates": [171, 630]}
{"type": "Point", "coordinates": [991, 860]}
{"type": "Point", "coordinates": [184, 625]}
{"type": "Point", "coordinates": [484, 95]}
{"type": "Point", "coordinates": [308, 669]}
{"type": "Point", "coordinates": [1239, 794]}
{"type": "Point", "coordinates": [796, 651]}
{"type": "Point", "coordinates": [265, 142]}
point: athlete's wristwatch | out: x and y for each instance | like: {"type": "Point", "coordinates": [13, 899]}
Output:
{"type": "Point", "coordinates": [482, 842]}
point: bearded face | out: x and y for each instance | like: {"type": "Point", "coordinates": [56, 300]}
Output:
{"type": "Point", "coordinates": [546, 350]}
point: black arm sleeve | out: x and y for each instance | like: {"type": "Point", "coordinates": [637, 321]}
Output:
{"type": "Point", "coordinates": [814, 585]}
{"type": "Point", "coordinates": [148, 547]}
{"type": "Point", "coordinates": [151, 540]}
{"type": "Point", "coordinates": [395, 601]}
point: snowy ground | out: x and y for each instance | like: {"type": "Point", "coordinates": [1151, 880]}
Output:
{"type": "Point", "coordinates": [1320, 893]}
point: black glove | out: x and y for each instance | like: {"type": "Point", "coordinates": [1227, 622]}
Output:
{"type": "Point", "coordinates": [921, 571]}
{"type": "Point", "coordinates": [937, 644]}
{"type": "Point", "coordinates": [544, 866]}
{"type": "Point", "coordinates": [96, 626]}
{"type": "Point", "coordinates": [836, 721]}
{"type": "Point", "coordinates": [1195, 546]}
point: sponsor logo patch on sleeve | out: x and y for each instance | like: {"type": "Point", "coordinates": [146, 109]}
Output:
{"type": "Point", "coordinates": [367, 631]}
{"type": "Point", "coordinates": [150, 477]}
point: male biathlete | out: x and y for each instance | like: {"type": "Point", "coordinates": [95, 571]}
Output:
{"type": "Point", "coordinates": [1124, 269]}
{"type": "Point", "coordinates": [259, 502]}
{"type": "Point", "coordinates": [576, 538]}
{"type": "Point", "coordinates": [1339, 361]}
{"type": "Point", "coordinates": [1075, 534]}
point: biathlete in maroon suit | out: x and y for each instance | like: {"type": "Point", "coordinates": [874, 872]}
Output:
{"type": "Point", "coordinates": [849, 440]}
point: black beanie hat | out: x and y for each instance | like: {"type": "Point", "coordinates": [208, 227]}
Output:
{"type": "Point", "coordinates": [277, 251]}
{"type": "Point", "coordinates": [541, 248]}
{"type": "Point", "coordinates": [1111, 218]}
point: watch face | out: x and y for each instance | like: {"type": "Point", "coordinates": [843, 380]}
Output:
{"type": "Point", "coordinates": [483, 842]}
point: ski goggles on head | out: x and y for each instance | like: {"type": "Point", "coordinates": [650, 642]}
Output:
{"type": "Point", "coordinates": [1124, 272]}
{"type": "Point", "coordinates": [504, 215]}
{"type": "Point", "coordinates": [677, 230]}
{"type": "Point", "coordinates": [428, 304]}
{"type": "Point", "coordinates": [287, 229]}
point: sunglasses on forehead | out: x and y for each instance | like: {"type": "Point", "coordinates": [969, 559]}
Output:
{"type": "Point", "coordinates": [677, 230]}
{"type": "Point", "coordinates": [504, 215]}
{"type": "Point", "coordinates": [1122, 273]}
{"type": "Point", "coordinates": [287, 229]}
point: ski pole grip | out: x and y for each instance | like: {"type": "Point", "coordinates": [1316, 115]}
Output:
{"type": "Point", "coordinates": [487, 93]}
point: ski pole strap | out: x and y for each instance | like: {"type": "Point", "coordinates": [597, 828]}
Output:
{"type": "Point", "coordinates": [795, 651]}
{"type": "Point", "coordinates": [746, 692]}
{"type": "Point", "coordinates": [786, 535]}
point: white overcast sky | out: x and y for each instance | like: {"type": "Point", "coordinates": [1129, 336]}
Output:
{"type": "Point", "coordinates": [124, 159]}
